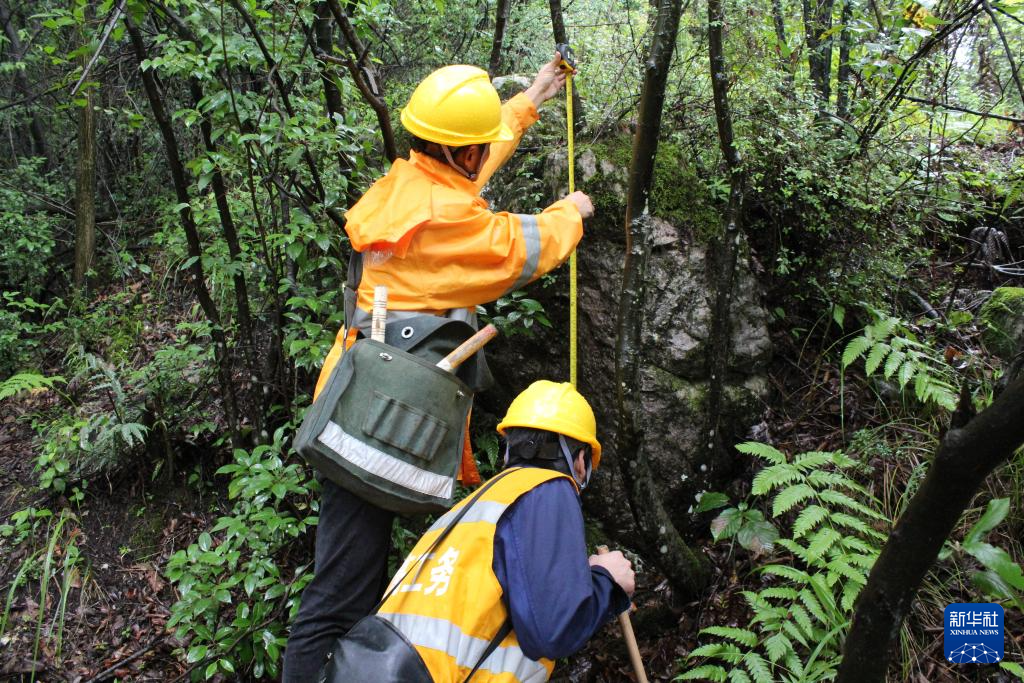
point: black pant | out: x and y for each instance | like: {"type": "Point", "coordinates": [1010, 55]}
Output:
{"type": "Point", "coordinates": [350, 574]}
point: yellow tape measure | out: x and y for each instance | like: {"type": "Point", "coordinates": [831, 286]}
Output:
{"type": "Point", "coordinates": [569, 65]}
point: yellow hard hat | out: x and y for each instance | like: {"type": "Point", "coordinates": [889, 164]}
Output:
{"type": "Point", "coordinates": [456, 105]}
{"type": "Point", "coordinates": [555, 407]}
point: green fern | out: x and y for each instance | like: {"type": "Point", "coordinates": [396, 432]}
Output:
{"type": "Point", "coordinates": [26, 381]}
{"type": "Point", "coordinates": [890, 346]}
{"type": "Point", "coordinates": [798, 620]}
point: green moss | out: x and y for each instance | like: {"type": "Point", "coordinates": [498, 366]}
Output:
{"type": "Point", "coordinates": [678, 194]}
{"type": "Point", "coordinates": [1003, 319]}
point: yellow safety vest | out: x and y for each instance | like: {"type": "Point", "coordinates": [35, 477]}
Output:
{"type": "Point", "coordinates": [451, 607]}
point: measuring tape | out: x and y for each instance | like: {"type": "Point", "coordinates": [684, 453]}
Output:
{"type": "Point", "coordinates": [568, 65]}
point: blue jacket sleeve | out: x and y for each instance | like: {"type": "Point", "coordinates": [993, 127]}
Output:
{"type": "Point", "coordinates": [556, 600]}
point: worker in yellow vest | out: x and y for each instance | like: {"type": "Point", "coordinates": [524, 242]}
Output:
{"type": "Point", "coordinates": [424, 232]}
{"type": "Point", "coordinates": [501, 585]}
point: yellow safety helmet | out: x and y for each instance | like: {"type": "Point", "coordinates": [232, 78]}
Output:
{"type": "Point", "coordinates": [457, 106]}
{"type": "Point", "coordinates": [555, 407]}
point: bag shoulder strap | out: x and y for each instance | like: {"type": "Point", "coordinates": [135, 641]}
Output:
{"type": "Point", "coordinates": [351, 291]}
{"type": "Point", "coordinates": [505, 629]}
{"type": "Point", "coordinates": [442, 536]}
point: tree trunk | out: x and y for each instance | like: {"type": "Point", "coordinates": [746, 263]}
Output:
{"type": "Point", "coordinates": [722, 256]}
{"type": "Point", "coordinates": [687, 570]}
{"type": "Point", "coordinates": [817, 21]}
{"type": "Point", "coordinates": [323, 34]}
{"type": "Point", "coordinates": [35, 127]}
{"type": "Point", "coordinates": [845, 70]}
{"type": "Point", "coordinates": [501, 13]}
{"type": "Point", "coordinates": [558, 31]}
{"type": "Point", "coordinates": [966, 456]}
{"type": "Point", "coordinates": [198, 278]}
{"type": "Point", "coordinates": [85, 190]}
{"type": "Point", "coordinates": [785, 63]}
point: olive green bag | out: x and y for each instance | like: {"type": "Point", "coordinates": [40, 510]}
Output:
{"type": "Point", "coordinates": [389, 427]}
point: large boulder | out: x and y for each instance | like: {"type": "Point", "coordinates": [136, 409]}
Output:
{"type": "Point", "coordinates": [677, 315]}
{"type": "Point", "coordinates": [1003, 318]}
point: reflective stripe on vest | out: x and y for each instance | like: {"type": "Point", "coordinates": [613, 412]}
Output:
{"type": "Point", "coordinates": [531, 238]}
{"type": "Point", "coordinates": [450, 604]}
{"type": "Point", "coordinates": [438, 634]}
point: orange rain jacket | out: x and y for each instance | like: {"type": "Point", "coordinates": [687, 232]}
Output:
{"type": "Point", "coordinates": [428, 236]}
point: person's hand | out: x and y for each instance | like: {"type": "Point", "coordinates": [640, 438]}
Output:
{"type": "Point", "coordinates": [619, 567]}
{"type": "Point", "coordinates": [549, 80]}
{"type": "Point", "coordinates": [582, 202]}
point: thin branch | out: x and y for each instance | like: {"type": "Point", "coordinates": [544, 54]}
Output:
{"type": "Point", "coordinates": [953, 107]}
{"type": "Point", "coordinates": [111, 22]}
{"type": "Point", "coordinates": [1006, 48]}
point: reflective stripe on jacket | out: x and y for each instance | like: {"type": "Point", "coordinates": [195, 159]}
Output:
{"type": "Point", "coordinates": [427, 235]}
{"type": "Point", "coordinates": [451, 607]}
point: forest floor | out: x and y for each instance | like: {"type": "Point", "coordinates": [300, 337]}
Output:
{"type": "Point", "coordinates": [116, 602]}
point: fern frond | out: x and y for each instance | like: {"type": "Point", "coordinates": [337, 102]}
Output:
{"type": "Point", "coordinates": [854, 350]}
{"type": "Point", "coordinates": [813, 460]}
{"type": "Point", "coordinates": [797, 630]}
{"type": "Point", "coordinates": [793, 574]}
{"type": "Point", "coordinates": [809, 518]}
{"type": "Point", "coordinates": [778, 646]}
{"type": "Point", "coordinates": [773, 477]}
{"type": "Point", "coordinates": [791, 496]}
{"type": "Point", "coordinates": [740, 635]}
{"type": "Point", "coordinates": [727, 652]}
{"type": "Point", "coordinates": [855, 523]}
{"type": "Point", "coordinates": [892, 363]}
{"type": "Point", "coordinates": [27, 381]}
{"type": "Point", "coordinates": [795, 548]}
{"type": "Point", "coordinates": [738, 676]}
{"type": "Point", "coordinates": [708, 672]}
{"type": "Point", "coordinates": [840, 498]}
{"type": "Point", "coordinates": [763, 451]}
{"type": "Point", "coordinates": [875, 357]}
{"type": "Point", "coordinates": [850, 592]}
{"type": "Point", "coordinates": [814, 607]}
{"type": "Point", "coordinates": [821, 541]}
{"type": "Point", "coordinates": [823, 479]}
{"type": "Point", "coordinates": [759, 669]}
{"type": "Point", "coordinates": [779, 593]}
{"type": "Point", "coordinates": [906, 373]}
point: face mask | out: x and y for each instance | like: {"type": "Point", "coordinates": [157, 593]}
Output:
{"type": "Point", "coordinates": [572, 470]}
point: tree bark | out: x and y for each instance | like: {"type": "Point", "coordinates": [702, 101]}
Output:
{"type": "Point", "coordinates": [845, 70]}
{"type": "Point", "coordinates": [966, 456]}
{"type": "Point", "coordinates": [323, 34]}
{"type": "Point", "coordinates": [817, 16]}
{"type": "Point", "coordinates": [198, 278]}
{"type": "Point", "coordinates": [501, 12]}
{"type": "Point", "coordinates": [558, 31]}
{"type": "Point", "coordinates": [687, 570]}
{"type": "Point", "coordinates": [785, 63]}
{"type": "Point", "coordinates": [362, 73]}
{"type": "Point", "coordinates": [85, 190]}
{"type": "Point", "coordinates": [722, 256]}
{"type": "Point", "coordinates": [35, 127]}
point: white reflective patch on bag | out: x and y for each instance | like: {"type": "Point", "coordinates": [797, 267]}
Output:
{"type": "Point", "coordinates": [379, 463]}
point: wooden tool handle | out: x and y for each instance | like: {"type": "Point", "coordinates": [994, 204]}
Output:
{"type": "Point", "coordinates": [629, 637]}
{"type": "Point", "coordinates": [380, 313]}
{"type": "Point", "coordinates": [467, 349]}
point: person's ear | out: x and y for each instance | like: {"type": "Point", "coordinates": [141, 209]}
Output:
{"type": "Point", "coordinates": [471, 157]}
{"type": "Point", "coordinates": [579, 465]}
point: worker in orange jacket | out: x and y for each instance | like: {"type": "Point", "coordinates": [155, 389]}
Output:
{"type": "Point", "coordinates": [424, 232]}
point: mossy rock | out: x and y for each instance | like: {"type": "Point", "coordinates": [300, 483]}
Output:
{"type": "Point", "coordinates": [678, 194]}
{"type": "Point", "coordinates": [1003, 318]}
